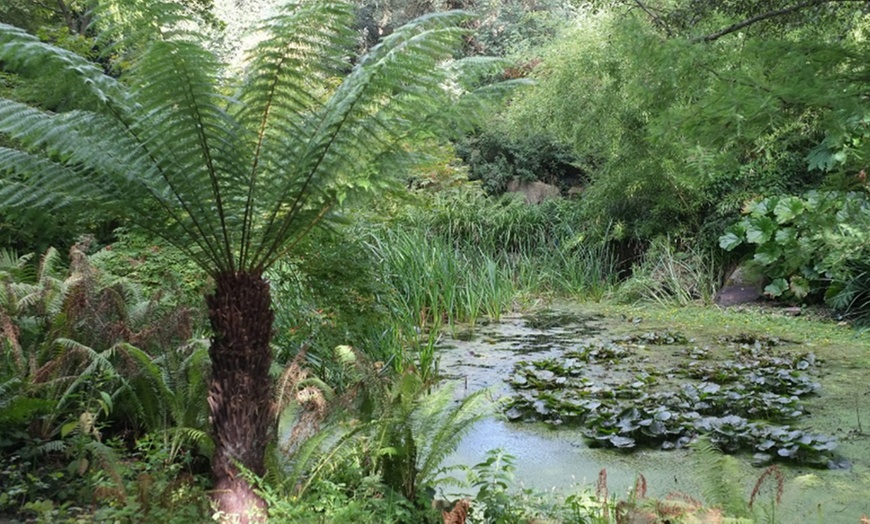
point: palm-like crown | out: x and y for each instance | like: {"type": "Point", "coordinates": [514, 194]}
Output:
{"type": "Point", "coordinates": [232, 171]}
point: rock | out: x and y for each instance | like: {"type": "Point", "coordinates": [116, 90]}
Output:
{"type": "Point", "coordinates": [794, 311]}
{"type": "Point", "coordinates": [575, 191]}
{"type": "Point", "coordinates": [741, 287]}
{"type": "Point", "coordinates": [534, 192]}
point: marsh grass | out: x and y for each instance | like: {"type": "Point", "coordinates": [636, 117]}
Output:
{"type": "Point", "coordinates": [461, 257]}
{"type": "Point", "coordinates": [674, 273]}
{"type": "Point", "coordinates": [435, 280]}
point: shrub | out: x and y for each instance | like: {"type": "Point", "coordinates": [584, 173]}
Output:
{"type": "Point", "coordinates": [495, 158]}
{"type": "Point", "coordinates": [811, 246]}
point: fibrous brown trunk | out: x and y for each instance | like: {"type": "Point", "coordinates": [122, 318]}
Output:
{"type": "Point", "coordinates": [240, 392]}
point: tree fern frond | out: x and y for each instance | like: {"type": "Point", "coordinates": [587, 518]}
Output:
{"type": "Point", "coordinates": [374, 87]}
{"type": "Point", "coordinates": [191, 137]}
{"type": "Point", "coordinates": [25, 53]}
{"type": "Point", "coordinates": [232, 182]}
{"type": "Point", "coordinates": [102, 165]}
{"type": "Point", "coordinates": [290, 66]}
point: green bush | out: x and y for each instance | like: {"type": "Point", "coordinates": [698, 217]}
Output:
{"type": "Point", "coordinates": [495, 158]}
{"type": "Point", "coordinates": [75, 391]}
{"type": "Point", "coordinates": [810, 247]}
{"type": "Point", "coordinates": [158, 268]}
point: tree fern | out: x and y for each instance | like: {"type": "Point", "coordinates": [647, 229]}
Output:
{"type": "Point", "coordinates": [233, 181]}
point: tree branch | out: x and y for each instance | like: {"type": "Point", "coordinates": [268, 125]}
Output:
{"type": "Point", "coordinates": [46, 7]}
{"type": "Point", "coordinates": [764, 16]}
{"type": "Point", "coordinates": [654, 17]}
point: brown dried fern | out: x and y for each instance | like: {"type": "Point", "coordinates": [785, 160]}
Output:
{"type": "Point", "coordinates": [779, 478]}
{"type": "Point", "coordinates": [459, 513]}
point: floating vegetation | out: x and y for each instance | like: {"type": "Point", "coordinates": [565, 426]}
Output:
{"type": "Point", "coordinates": [747, 402]}
{"type": "Point", "coordinates": [658, 338]}
{"type": "Point", "coordinates": [601, 351]}
{"type": "Point", "coordinates": [548, 319]}
{"type": "Point", "coordinates": [756, 341]}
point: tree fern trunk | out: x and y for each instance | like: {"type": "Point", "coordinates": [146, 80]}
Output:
{"type": "Point", "coordinates": [240, 391]}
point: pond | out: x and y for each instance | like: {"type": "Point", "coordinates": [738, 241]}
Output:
{"type": "Point", "coordinates": [576, 356]}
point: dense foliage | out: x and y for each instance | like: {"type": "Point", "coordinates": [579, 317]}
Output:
{"type": "Point", "coordinates": [686, 138]}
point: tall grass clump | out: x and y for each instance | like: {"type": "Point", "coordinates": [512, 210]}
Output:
{"type": "Point", "coordinates": [389, 286]}
{"type": "Point", "coordinates": [674, 272]}
{"type": "Point", "coordinates": [500, 225]}
{"type": "Point", "coordinates": [545, 248]}
{"type": "Point", "coordinates": [434, 284]}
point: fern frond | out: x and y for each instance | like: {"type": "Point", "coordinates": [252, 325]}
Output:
{"type": "Point", "coordinates": [284, 80]}
{"type": "Point", "coordinates": [26, 54]}
{"type": "Point", "coordinates": [721, 478]}
{"type": "Point", "coordinates": [107, 459]}
{"type": "Point", "coordinates": [98, 363]}
{"type": "Point", "coordinates": [440, 427]}
{"type": "Point", "coordinates": [376, 101]}
{"type": "Point", "coordinates": [338, 446]}
{"type": "Point", "coordinates": [190, 437]}
{"type": "Point", "coordinates": [232, 182]}
{"type": "Point", "coordinates": [52, 446]}
{"type": "Point", "coordinates": [8, 389]}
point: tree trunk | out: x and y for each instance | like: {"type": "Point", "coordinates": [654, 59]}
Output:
{"type": "Point", "coordinates": [240, 392]}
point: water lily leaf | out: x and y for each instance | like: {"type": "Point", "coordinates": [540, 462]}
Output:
{"type": "Point", "coordinates": [765, 445]}
{"type": "Point", "coordinates": [787, 452]}
{"type": "Point", "coordinates": [704, 424]}
{"type": "Point", "coordinates": [656, 428]}
{"type": "Point", "coordinates": [541, 408]}
{"type": "Point", "coordinates": [733, 420]}
{"type": "Point", "coordinates": [710, 387]}
{"type": "Point", "coordinates": [825, 445]}
{"type": "Point", "coordinates": [839, 463]}
{"type": "Point", "coordinates": [663, 415]}
{"type": "Point", "coordinates": [545, 375]}
{"type": "Point", "coordinates": [519, 380]}
{"type": "Point", "coordinates": [761, 458]}
{"type": "Point", "coordinates": [592, 405]}
{"type": "Point", "coordinates": [513, 414]}
{"type": "Point", "coordinates": [622, 442]}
